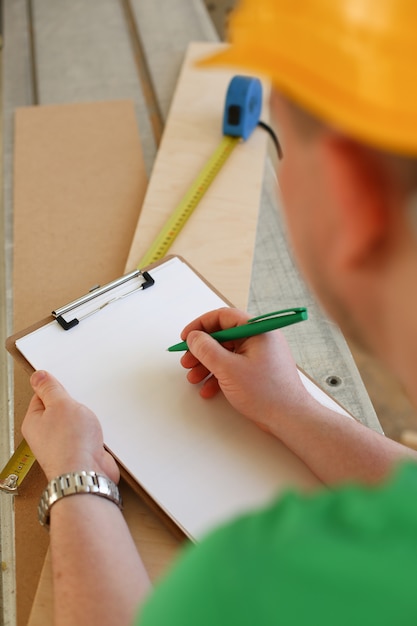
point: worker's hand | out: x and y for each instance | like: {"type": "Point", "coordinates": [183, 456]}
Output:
{"type": "Point", "coordinates": [64, 435]}
{"type": "Point", "coordinates": [258, 375]}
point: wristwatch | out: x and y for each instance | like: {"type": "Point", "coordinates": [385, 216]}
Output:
{"type": "Point", "coordinates": [75, 483]}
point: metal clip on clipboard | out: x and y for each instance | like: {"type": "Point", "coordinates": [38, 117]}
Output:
{"type": "Point", "coordinates": [98, 298]}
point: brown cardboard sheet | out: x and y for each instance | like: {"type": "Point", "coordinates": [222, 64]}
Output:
{"type": "Point", "coordinates": [79, 182]}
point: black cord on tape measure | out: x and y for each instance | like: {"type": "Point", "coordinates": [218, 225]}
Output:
{"type": "Point", "coordinates": [274, 138]}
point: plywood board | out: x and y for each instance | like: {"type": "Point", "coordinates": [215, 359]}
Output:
{"type": "Point", "coordinates": [219, 238]}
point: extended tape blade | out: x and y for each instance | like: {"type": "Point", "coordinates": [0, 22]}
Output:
{"type": "Point", "coordinates": [189, 202]}
{"type": "Point", "coordinates": [16, 468]}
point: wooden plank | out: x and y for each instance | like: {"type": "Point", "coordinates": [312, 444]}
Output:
{"type": "Point", "coordinates": [6, 440]}
{"type": "Point", "coordinates": [16, 91]}
{"type": "Point", "coordinates": [218, 240]}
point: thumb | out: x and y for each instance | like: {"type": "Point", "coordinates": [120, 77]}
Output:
{"type": "Point", "coordinates": [47, 388]}
{"type": "Point", "coordinates": [208, 351]}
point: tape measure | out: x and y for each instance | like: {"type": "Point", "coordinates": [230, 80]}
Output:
{"type": "Point", "coordinates": [241, 116]}
{"type": "Point", "coordinates": [17, 468]}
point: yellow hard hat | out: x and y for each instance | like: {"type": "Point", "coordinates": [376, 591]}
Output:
{"type": "Point", "coordinates": [352, 63]}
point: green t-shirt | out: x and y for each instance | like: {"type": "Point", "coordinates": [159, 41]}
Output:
{"type": "Point", "coordinates": [334, 558]}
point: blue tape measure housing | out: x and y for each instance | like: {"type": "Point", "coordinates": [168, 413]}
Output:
{"type": "Point", "coordinates": [243, 106]}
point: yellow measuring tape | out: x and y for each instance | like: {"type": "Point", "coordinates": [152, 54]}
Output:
{"type": "Point", "coordinates": [17, 468]}
{"type": "Point", "coordinates": [189, 202]}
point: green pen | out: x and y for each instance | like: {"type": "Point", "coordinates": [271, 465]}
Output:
{"type": "Point", "coordinates": [255, 326]}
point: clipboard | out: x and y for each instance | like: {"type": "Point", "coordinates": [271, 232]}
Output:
{"type": "Point", "coordinates": [199, 461]}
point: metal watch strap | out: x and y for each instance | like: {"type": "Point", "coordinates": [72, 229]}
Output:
{"type": "Point", "coordinates": [76, 483]}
